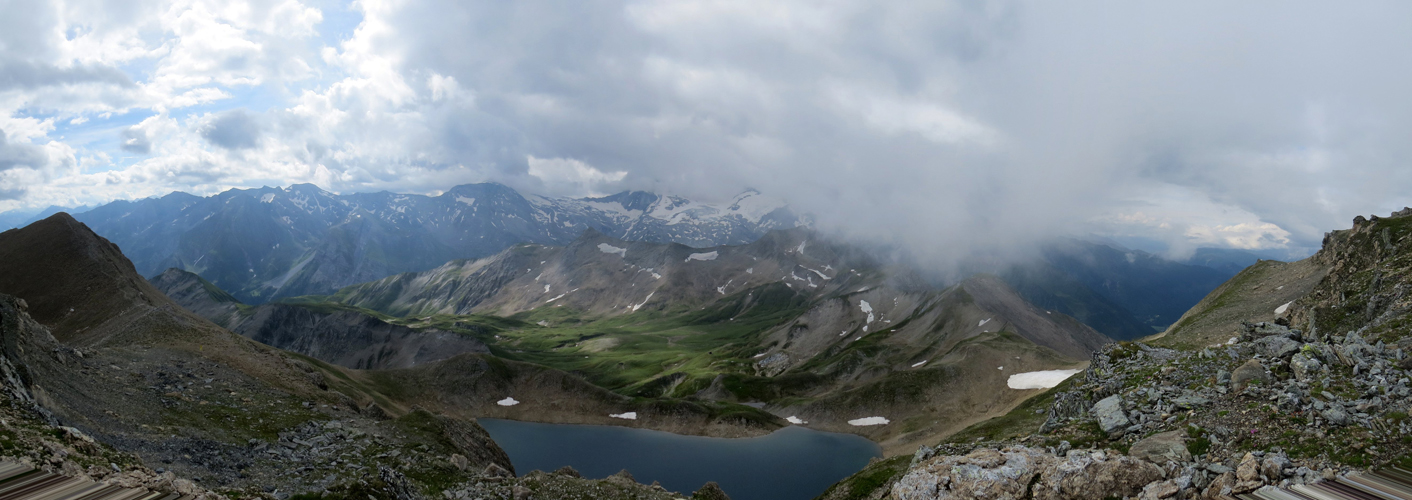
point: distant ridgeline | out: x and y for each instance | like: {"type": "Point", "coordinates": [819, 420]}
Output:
{"type": "Point", "coordinates": [261, 244]}
{"type": "Point", "coordinates": [269, 243]}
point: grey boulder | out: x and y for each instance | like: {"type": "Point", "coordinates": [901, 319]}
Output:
{"type": "Point", "coordinates": [1109, 412]}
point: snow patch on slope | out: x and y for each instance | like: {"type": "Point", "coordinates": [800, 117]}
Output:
{"type": "Point", "coordinates": [1046, 379]}
{"type": "Point", "coordinates": [867, 308]}
{"type": "Point", "coordinates": [702, 256]}
{"type": "Point", "coordinates": [644, 302]}
{"type": "Point", "coordinates": [606, 248]}
{"type": "Point", "coordinates": [861, 422]}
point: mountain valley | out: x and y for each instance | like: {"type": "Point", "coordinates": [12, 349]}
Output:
{"type": "Point", "coordinates": [787, 323]}
{"type": "Point", "coordinates": [724, 341]}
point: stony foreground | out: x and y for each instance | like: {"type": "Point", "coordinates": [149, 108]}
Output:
{"type": "Point", "coordinates": [1269, 408]}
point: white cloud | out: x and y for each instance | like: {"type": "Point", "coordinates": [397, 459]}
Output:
{"type": "Point", "coordinates": [908, 123]}
{"type": "Point", "coordinates": [570, 177]}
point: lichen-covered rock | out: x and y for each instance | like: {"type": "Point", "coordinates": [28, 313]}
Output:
{"type": "Point", "coordinates": [1022, 472]}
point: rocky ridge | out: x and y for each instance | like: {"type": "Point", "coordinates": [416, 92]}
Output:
{"type": "Point", "coordinates": [346, 337]}
{"type": "Point", "coordinates": [1272, 406]}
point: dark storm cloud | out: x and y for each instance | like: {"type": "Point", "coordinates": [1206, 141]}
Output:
{"type": "Point", "coordinates": [955, 125]}
{"type": "Point", "coordinates": [235, 129]}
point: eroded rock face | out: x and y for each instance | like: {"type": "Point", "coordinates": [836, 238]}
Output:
{"type": "Point", "coordinates": [1022, 472]}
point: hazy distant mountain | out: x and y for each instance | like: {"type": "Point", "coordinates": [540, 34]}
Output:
{"type": "Point", "coordinates": [1053, 289]}
{"type": "Point", "coordinates": [265, 243]}
{"type": "Point", "coordinates": [22, 218]}
{"type": "Point", "coordinates": [1155, 290]}
{"type": "Point", "coordinates": [1226, 260]}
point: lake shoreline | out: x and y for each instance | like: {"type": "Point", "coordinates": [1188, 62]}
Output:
{"type": "Point", "coordinates": [793, 462]}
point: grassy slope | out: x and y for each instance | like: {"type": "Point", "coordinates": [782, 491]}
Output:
{"type": "Point", "coordinates": [627, 353]}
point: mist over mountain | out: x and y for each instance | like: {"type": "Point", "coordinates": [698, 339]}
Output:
{"type": "Point", "coordinates": [269, 243]}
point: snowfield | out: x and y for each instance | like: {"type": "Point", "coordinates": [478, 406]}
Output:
{"type": "Point", "coordinates": [507, 402]}
{"type": "Point", "coordinates": [702, 256]}
{"type": "Point", "coordinates": [632, 415]}
{"type": "Point", "coordinates": [863, 422]}
{"type": "Point", "coordinates": [1046, 379]}
{"type": "Point", "coordinates": [794, 420]}
{"type": "Point", "coordinates": [1283, 308]}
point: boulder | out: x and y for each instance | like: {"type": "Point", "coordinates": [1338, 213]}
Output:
{"type": "Point", "coordinates": [1022, 472]}
{"type": "Point", "coordinates": [1109, 413]}
{"type": "Point", "coordinates": [1158, 491]}
{"type": "Point", "coordinates": [1162, 448]}
{"type": "Point", "coordinates": [1248, 474]}
{"type": "Point", "coordinates": [1304, 367]}
{"type": "Point", "coordinates": [1276, 347]}
{"type": "Point", "coordinates": [1251, 371]}
{"type": "Point", "coordinates": [1252, 331]}
{"type": "Point", "coordinates": [494, 470]}
{"type": "Point", "coordinates": [1273, 466]}
{"type": "Point", "coordinates": [1189, 401]}
{"type": "Point", "coordinates": [1335, 416]}
{"type": "Point", "coordinates": [710, 491]}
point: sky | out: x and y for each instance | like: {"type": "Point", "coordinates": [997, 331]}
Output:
{"type": "Point", "coordinates": [949, 127]}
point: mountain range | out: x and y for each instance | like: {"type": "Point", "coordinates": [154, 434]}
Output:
{"type": "Point", "coordinates": [263, 244]}
{"type": "Point", "coordinates": [792, 323]}
{"type": "Point", "coordinates": [266, 244]}
{"type": "Point", "coordinates": [725, 340]}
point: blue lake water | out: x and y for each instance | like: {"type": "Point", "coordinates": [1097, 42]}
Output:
{"type": "Point", "coordinates": [793, 463]}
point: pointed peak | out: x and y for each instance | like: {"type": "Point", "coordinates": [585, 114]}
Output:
{"type": "Point", "coordinates": [72, 278]}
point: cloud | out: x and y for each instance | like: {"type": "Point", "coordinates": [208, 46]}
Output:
{"type": "Point", "coordinates": [955, 127]}
{"type": "Point", "coordinates": [235, 129]}
{"type": "Point", "coordinates": [14, 155]}
{"type": "Point", "coordinates": [30, 75]}
{"type": "Point", "coordinates": [570, 177]}
{"type": "Point", "coordinates": [135, 141]}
